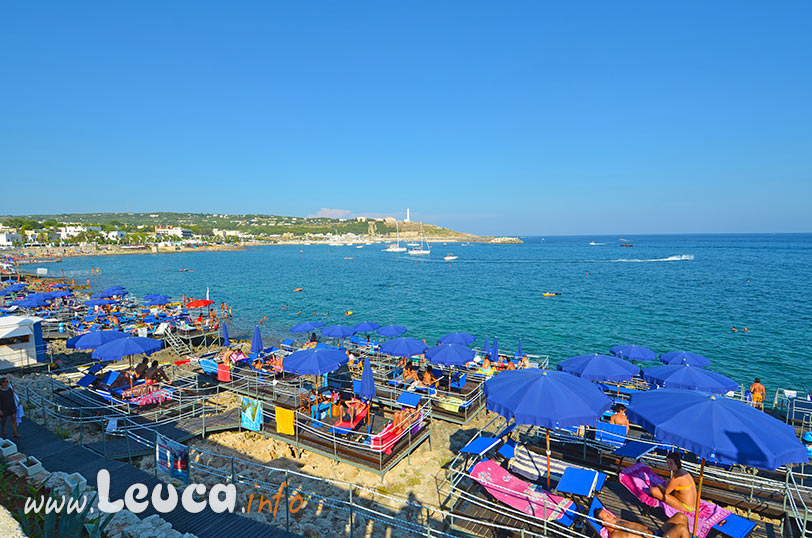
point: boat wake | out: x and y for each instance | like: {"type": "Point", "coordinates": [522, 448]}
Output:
{"type": "Point", "coordinates": [680, 258]}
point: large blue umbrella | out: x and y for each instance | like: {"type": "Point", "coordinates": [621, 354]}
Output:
{"type": "Point", "coordinates": [519, 352]}
{"type": "Point", "coordinates": [60, 293]}
{"type": "Point", "coordinates": [495, 350]}
{"type": "Point", "coordinates": [464, 339]}
{"type": "Point", "coordinates": [95, 339]}
{"type": "Point", "coordinates": [256, 343]}
{"type": "Point", "coordinates": [545, 398]}
{"type": "Point", "coordinates": [367, 391]}
{"type": "Point", "coordinates": [224, 335]}
{"type": "Point", "coordinates": [100, 302]}
{"type": "Point", "coordinates": [404, 347]}
{"type": "Point", "coordinates": [151, 296]}
{"type": "Point", "coordinates": [367, 327]}
{"type": "Point", "coordinates": [633, 353]}
{"type": "Point", "coordinates": [314, 361]}
{"type": "Point", "coordinates": [20, 286]}
{"type": "Point", "coordinates": [391, 330]}
{"type": "Point", "coordinates": [689, 377]}
{"type": "Point", "coordinates": [124, 347]}
{"type": "Point", "coordinates": [599, 368]}
{"type": "Point", "coordinates": [713, 427]}
{"type": "Point", "coordinates": [158, 301]}
{"type": "Point", "coordinates": [684, 357]}
{"type": "Point", "coordinates": [31, 302]}
{"type": "Point", "coordinates": [338, 331]}
{"type": "Point", "coordinates": [485, 346]}
{"type": "Point", "coordinates": [306, 327]}
{"type": "Point", "coordinates": [450, 354]}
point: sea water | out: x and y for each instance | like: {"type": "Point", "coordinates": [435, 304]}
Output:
{"type": "Point", "coordinates": [666, 293]}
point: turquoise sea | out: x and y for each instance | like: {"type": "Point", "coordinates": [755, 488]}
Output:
{"type": "Point", "coordinates": [666, 293]}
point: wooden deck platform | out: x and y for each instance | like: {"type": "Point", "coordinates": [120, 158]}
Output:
{"type": "Point", "coordinates": [58, 455]}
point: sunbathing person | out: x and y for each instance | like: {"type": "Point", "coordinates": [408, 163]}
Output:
{"type": "Point", "coordinates": [155, 374]}
{"type": "Point", "coordinates": [486, 368]}
{"type": "Point", "coordinates": [403, 418]}
{"type": "Point", "coordinates": [351, 409]}
{"type": "Point", "coordinates": [680, 491]}
{"type": "Point", "coordinates": [429, 379]}
{"type": "Point", "coordinates": [524, 363]}
{"type": "Point", "coordinates": [409, 374]}
{"type": "Point", "coordinates": [510, 366]}
{"type": "Point", "coordinates": [142, 368]}
{"type": "Point", "coordinates": [620, 417]}
{"type": "Point", "coordinates": [676, 527]}
{"type": "Point", "coordinates": [403, 362]}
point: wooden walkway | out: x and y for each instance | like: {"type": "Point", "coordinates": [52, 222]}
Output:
{"type": "Point", "coordinates": [122, 447]}
{"type": "Point", "coordinates": [58, 455]}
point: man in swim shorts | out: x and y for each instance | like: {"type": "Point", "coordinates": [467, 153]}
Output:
{"type": "Point", "coordinates": [676, 527]}
{"type": "Point", "coordinates": [757, 390]}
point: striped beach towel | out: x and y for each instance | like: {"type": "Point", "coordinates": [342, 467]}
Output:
{"type": "Point", "coordinates": [533, 466]}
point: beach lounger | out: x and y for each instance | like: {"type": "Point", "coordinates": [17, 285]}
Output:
{"type": "Point", "coordinates": [209, 366]}
{"type": "Point", "coordinates": [533, 466]}
{"type": "Point", "coordinates": [87, 380]}
{"type": "Point", "coordinates": [610, 434]}
{"type": "Point", "coordinates": [592, 518]}
{"type": "Point", "coordinates": [639, 478]}
{"type": "Point", "coordinates": [344, 427]}
{"type": "Point", "coordinates": [522, 496]}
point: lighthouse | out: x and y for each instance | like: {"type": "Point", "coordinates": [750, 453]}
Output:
{"type": "Point", "coordinates": [407, 215]}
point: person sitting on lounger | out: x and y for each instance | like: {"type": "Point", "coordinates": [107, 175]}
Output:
{"type": "Point", "coordinates": [404, 418]}
{"type": "Point", "coordinates": [620, 417]}
{"type": "Point", "coordinates": [429, 379]}
{"type": "Point", "coordinates": [510, 365]}
{"type": "Point", "coordinates": [404, 361]}
{"type": "Point", "coordinates": [142, 368]}
{"type": "Point", "coordinates": [409, 374]}
{"type": "Point", "coordinates": [155, 374]}
{"type": "Point", "coordinates": [351, 361]}
{"type": "Point", "coordinates": [676, 527]}
{"type": "Point", "coordinates": [524, 363]}
{"type": "Point", "coordinates": [680, 491]}
{"type": "Point", "coordinates": [486, 369]}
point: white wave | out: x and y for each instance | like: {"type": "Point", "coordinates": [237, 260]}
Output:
{"type": "Point", "coordinates": [679, 258]}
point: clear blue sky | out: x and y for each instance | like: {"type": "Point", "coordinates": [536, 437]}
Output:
{"type": "Point", "coordinates": [490, 117]}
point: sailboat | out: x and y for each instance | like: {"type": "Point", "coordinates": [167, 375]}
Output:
{"type": "Point", "coordinates": [396, 247]}
{"type": "Point", "coordinates": [421, 250]}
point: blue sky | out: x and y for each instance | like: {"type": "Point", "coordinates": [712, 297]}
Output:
{"type": "Point", "coordinates": [489, 117]}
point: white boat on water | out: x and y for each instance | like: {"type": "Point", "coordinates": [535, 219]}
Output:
{"type": "Point", "coordinates": [450, 258]}
{"type": "Point", "coordinates": [396, 246]}
{"type": "Point", "coordinates": [423, 249]}
{"type": "Point", "coordinates": [359, 246]}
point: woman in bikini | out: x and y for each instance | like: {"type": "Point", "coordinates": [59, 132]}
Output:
{"type": "Point", "coordinates": [680, 491]}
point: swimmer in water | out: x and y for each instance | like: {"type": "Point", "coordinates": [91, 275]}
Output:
{"type": "Point", "coordinates": [734, 329]}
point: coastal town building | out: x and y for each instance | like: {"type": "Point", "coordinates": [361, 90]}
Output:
{"type": "Point", "coordinates": [172, 231]}
{"type": "Point", "coordinates": [8, 238]}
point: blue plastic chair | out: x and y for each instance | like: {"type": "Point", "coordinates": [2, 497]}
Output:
{"type": "Point", "coordinates": [611, 434]}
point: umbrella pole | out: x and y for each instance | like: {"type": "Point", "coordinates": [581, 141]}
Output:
{"type": "Point", "coordinates": [699, 494]}
{"type": "Point", "coordinates": [547, 430]}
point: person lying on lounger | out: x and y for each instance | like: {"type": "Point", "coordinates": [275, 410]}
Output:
{"type": "Point", "coordinates": [429, 379]}
{"type": "Point", "coordinates": [676, 527]}
{"type": "Point", "coordinates": [680, 491]}
{"type": "Point", "coordinates": [409, 374]}
{"type": "Point", "coordinates": [524, 363]}
{"type": "Point", "coordinates": [404, 418]}
{"type": "Point", "coordinates": [351, 409]}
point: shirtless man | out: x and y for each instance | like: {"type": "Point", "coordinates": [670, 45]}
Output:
{"type": "Point", "coordinates": [757, 390]}
{"type": "Point", "coordinates": [680, 491]}
{"type": "Point", "coordinates": [620, 417]}
{"type": "Point", "coordinates": [155, 374]}
{"type": "Point", "coordinates": [142, 368]}
{"type": "Point", "coordinates": [676, 527]}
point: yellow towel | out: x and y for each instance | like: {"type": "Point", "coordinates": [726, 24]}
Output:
{"type": "Point", "coordinates": [284, 421]}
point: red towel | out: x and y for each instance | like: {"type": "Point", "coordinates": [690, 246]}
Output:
{"type": "Point", "coordinates": [223, 373]}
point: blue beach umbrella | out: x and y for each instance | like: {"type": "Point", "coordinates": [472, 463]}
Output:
{"type": "Point", "coordinates": [95, 339]}
{"type": "Point", "coordinates": [633, 353]}
{"type": "Point", "coordinates": [256, 343]}
{"type": "Point", "coordinates": [367, 327]}
{"type": "Point", "coordinates": [338, 331]}
{"type": "Point", "coordinates": [100, 302]}
{"type": "Point", "coordinates": [306, 327]}
{"type": "Point", "coordinates": [158, 301]}
{"type": "Point", "coordinates": [689, 377]}
{"type": "Point", "coordinates": [519, 352]}
{"type": "Point", "coordinates": [464, 339]}
{"type": "Point", "coordinates": [367, 391]}
{"type": "Point", "coordinates": [14, 288]}
{"type": "Point", "coordinates": [684, 357]}
{"type": "Point", "coordinates": [224, 335]}
{"type": "Point", "coordinates": [124, 347]}
{"type": "Point", "coordinates": [31, 302]}
{"type": "Point", "coordinates": [404, 347]}
{"type": "Point", "coordinates": [314, 361]}
{"type": "Point", "coordinates": [391, 330]}
{"type": "Point", "coordinates": [599, 368]}
{"type": "Point", "coordinates": [450, 354]}
{"type": "Point", "coordinates": [60, 293]}
{"type": "Point", "coordinates": [495, 350]}
{"type": "Point", "coordinates": [151, 296]}
{"type": "Point", "coordinates": [545, 398]}
{"type": "Point", "coordinates": [716, 428]}
{"type": "Point", "coordinates": [485, 346]}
